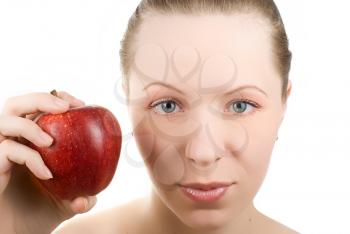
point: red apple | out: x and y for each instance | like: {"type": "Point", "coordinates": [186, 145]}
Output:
{"type": "Point", "coordinates": [85, 152]}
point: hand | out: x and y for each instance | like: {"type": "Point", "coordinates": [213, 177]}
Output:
{"type": "Point", "coordinates": [34, 210]}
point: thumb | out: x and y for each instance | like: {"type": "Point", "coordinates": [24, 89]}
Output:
{"type": "Point", "coordinates": [83, 204]}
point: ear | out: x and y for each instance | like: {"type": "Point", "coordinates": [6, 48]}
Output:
{"type": "Point", "coordinates": [289, 90]}
{"type": "Point", "coordinates": [125, 89]}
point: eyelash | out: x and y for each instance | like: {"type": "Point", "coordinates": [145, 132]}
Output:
{"type": "Point", "coordinates": [242, 100]}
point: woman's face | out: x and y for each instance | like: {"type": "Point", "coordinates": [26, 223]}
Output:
{"type": "Point", "coordinates": [221, 113]}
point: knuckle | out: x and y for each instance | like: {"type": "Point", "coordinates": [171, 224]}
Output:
{"type": "Point", "coordinates": [5, 145]}
{"type": "Point", "coordinates": [44, 96]}
{"type": "Point", "coordinates": [40, 96]}
{"type": "Point", "coordinates": [53, 98]}
{"type": "Point", "coordinates": [16, 125]}
{"type": "Point", "coordinates": [48, 98]}
{"type": "Point", "coordinates": [8, 104]}
{"type": "Point", "coordinates": [28, 124]}
{"type": "Point", "coordinates": [35, 156]}
{"type": "Point", "coordinates": [5, 132]}
{"type": "Point", "coordinates": [26, 127]}
{"type": "Point", "coordinates": [45, 99]}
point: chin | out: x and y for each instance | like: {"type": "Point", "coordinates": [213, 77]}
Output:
{"type": "Point", "coordinates": [205, 219]}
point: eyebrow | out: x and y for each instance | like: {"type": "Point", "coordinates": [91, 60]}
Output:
{"type": "Point", "coordinates": [164, 84]}
{"type": "Point", "coordinates": [246, 87]}
{"type": "Point", "coordinates": [225, 94]}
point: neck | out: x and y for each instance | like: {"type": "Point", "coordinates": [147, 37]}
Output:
{"type": "Point", "coordinates": [162, 219]}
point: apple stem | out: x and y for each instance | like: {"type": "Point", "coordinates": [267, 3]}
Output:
{"type": "Point", "coordinates": [54, 92]}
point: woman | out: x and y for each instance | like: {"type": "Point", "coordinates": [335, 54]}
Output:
{"type": "Point", "coordinates": [207, 87]}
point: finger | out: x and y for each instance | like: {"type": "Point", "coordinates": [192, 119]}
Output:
{"type": "Point", "coordinates": [73, 101]}
{"type": "Point", "coordinates": [12, 126]}
{"type": "Point", "coordinates": [14, 152]}
{"type": "Point", "coordinates": [92, 200]}
{"type": "Point", "coordinates": [83, 204]}
{"type": "Point", "coordinates": [34, 102]}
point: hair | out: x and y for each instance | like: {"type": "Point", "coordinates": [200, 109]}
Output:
{"type": "Point", "coordinates": [266, 8]}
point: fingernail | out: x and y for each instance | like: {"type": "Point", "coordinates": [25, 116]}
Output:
{"type": "Point", "coordinates": [47, 172]}
{"type": "Point", "coordinates": [46, 138]}
{"type": "Point", "coordinates": [60, 103]}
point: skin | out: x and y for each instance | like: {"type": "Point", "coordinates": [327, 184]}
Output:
{"type": "Point", "coordinates": [191, 143]}
{"type": "Point", "coordinates": [18, 194]}
{"type": "Point", "coordinates": [205, 139]}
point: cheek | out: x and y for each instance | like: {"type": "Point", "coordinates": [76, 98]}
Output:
{"type": "Point", "coordinates": [256, 157]}
{"type": "Point", "coordinates": [167, 168]}
{"type": "Point", "coordinates": [164, 163]}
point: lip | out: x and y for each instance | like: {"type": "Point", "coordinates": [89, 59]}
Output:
{"type": "Point", "coordinates": [209, 192]}
{"type": "Point", "coordinates": [207, 186]}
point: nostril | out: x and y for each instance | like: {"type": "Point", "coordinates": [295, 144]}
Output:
{"type": "Point", "coordinates": [203, 165]}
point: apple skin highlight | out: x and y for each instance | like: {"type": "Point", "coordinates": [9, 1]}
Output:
{"type": "Point", "coordinates": [85, 152]}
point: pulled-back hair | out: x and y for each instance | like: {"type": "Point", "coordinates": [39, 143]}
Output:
{"type": "Point", "coordinates": [266, 8]}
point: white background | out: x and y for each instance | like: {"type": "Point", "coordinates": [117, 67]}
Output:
{"type": "Point", "coordinates": [73, 45]}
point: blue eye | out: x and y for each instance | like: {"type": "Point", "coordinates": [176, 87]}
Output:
{"type": "Point", "coordinates": [166, 106]}
{"type": "Point", "coordinates": [244, 105]}
{"type": "Point", "coordinates": [240, 107]}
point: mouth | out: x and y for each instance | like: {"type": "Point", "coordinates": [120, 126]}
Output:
{"type": "Point", "coordinates": [209, 192]}
{"type": "Point", "coordinates": [207, 186]}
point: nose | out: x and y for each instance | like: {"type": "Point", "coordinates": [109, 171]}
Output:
{"type": "Point", "coordinates": [200, 150]}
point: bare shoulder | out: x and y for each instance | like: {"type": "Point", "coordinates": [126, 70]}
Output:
{"type": "Point", "coordinates": [113, 220]}
{"type": "Point", "coordinates": [274, 227]}
{"type": "Point", "coordinates": [280, 228]}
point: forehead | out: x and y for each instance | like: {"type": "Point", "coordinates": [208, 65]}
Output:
{"type": "Point", "coordinates": [244, 38]}
{"type": "Point", "coordinates": [208, 32]}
